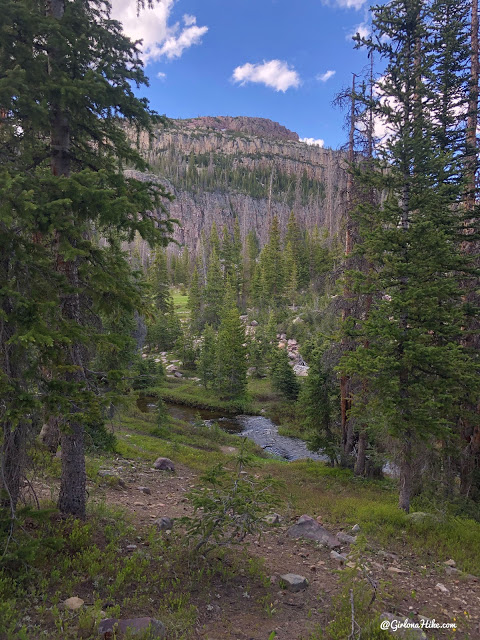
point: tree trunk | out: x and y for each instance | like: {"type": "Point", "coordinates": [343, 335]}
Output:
{"type": "Point", "coordinates": [50, 435]}
{"type": "Point", "coordinates": [406, 475]}
{"type": "Point", "coordinates": [359, 469]}
{"type": "Point", "coordinates": [345, 392]}
{"type": "Point", "coordinates": [12, 464]}
{"type": "Point", "coordinates": [72, 498]}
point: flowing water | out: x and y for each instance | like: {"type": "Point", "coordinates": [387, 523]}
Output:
{"type": "Point", "coordinates": [261, 430]}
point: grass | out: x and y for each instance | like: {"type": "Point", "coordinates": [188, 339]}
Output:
{"type": "Point", "coordinates": [180, 303]}
{"type": "Point", "coordinates": [51, 559]}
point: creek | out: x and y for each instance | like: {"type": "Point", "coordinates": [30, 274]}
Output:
{"type": "Point", "coordinates": [261, 430]}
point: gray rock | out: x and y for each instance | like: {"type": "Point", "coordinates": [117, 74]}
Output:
{"type": "Point", "coordinates": [307, 527]}
{"type": "Point", "coordinates": [301, 370]}
{"type": "Point", "coordinates": [339, 557]}
{"type": "Point", "coordinates": [294, 582]}
{"type": "Point", "coordinates": [164, 523]}
{"type": "Point", "coordinates": [145, 490]}
{"type": "Point", "coordinates": [171, 368]}
{"type": "Point", "coordinates": [177, 374]}
{"type": "Point", "coordinates": [452, 571]}
{"type": "Point", "coordinates": [441, 587]}
{"type": "Point", "coordinates": [402, 633]}
{"type": "Point", "coordinates": [131, 547]}
{"type": "Point", "coordinates": [273, 518]}
{"type": "Point", "coordinates": [450, 563]}
{"type": "Point", "coordinates": [345, 538]}
{"type": "Point", "coordinates": [356, 528]}
{"type": "Point", "coordinates": [144, 627]}
{"type": "Point", "coordinates": [106, 473]}
{"type": "Point", "coordinates": [164, 464]}
{"type": "Point", "coordinates": [254, 323]}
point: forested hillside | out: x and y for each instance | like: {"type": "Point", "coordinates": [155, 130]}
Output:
{"type": "Point", "coordinates": [245, 169]}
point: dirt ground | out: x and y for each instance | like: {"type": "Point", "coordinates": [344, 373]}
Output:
{"type": "Point", "coordinates": [406, 587]}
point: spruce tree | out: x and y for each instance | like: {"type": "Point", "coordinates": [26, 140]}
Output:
{"type": "Point", "coordinates": [214, 290]}
{"type": "Point", "coordinates": [207, 361]}
{"type": "Point", "coordinates": [414, 366]}
{"type": "Point", "coordinates": [66, 88]}
{"type": "Point", "coordinates": [231, 350]}
{"type": "Point", "coordinates": [272, 268]}
{"type": "Point", "coordinates": [194, 302]}
{"type": "Point", "coordinates": [283, 377]}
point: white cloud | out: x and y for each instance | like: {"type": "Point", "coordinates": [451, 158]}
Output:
{"type": "Point", "coordinates": [313, 142]}
{"type": "Point", "coordinates": [363, 29]}
{"type": "Point", "coordinates": [152, 26]}
{"type": "Point", "coordinates": [346, 4]}
{"type": "Point", "coordinates": [326, 76]}
{"type": "Point", "coordinates": [161, 75]}
{"type": "Point", "coordinates": [273, 73]}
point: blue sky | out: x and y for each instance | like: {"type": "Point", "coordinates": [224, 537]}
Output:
{"type": "Point", "coordinates": [275, 59]}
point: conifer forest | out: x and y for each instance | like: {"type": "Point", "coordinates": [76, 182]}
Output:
{"type": "Point", "coordinates": [239, 378]}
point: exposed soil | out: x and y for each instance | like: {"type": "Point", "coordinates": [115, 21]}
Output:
{"type": "Point", "coordinates": [245, 612]}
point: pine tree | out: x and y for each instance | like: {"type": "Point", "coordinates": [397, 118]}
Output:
{"type": "Point", "coordinates": [194, 303]}
{"type": "Point", "coordinates": [207, 362]}
{"type": "Point", "coordinates": [291, 274]}
{"type": "Point", "coordinates": [214, 290]}
{"type": "Point", "coordinates": [226, 254]}
{"type": "Point", "coordinates": [315, 408]}
{"type": "Point", "coordinates": [415, 368]}
{"type": "Point", "coordinates": [68, 71]}
{"type": "Point", "coordinates": [158, 279]}
{"type": "Point", "coordinates": [283, 377]}
{"type": "Point", "coordinates": [272, 268]}
{"type": "Point", "coordinates": [231, 352]}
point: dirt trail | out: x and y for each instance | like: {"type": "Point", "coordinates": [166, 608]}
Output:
{"type": "Point", "coordinates": [238, 612]}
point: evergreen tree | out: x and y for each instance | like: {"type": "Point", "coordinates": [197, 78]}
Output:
{"type": "Point", "coordinates": [283, 377]}
{"type": "Point", "coordinates": [158, 279]}
{"type": "Point", "coordinates": [67, 76]}
{"type": "Point", "coordinates": [214, 290]}
{"type": "Point", "coordinates": [194, 302]}
{"type": "Point", "coordinates": [316, 409]}
{"type": "Point", "coordinates": [415, 369]}
{"type": "Point", "coordinates": [296, 239]}
{"type": "Point", "coordinates": [207, 362]}
{"type": "Point", "coordinates": [272, 268]}
{"type": "Point", "coordinates": [231, 350]}
{"type": "Point", "coordinates": [226, 254]}
{"type": "Point", "coordinates": [291, 274]}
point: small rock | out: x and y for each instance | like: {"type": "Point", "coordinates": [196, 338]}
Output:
{"type": "Point", "coordinates": [339, 557]}
{"type": "Point", "coordinates": [294, 582]}
{"type": "Point", "coordinates": [344, 537]}
{"type": "Point", "coordinates": [171, 368]}
{"type": "Point", "coordinates": [273, 518]}
{"type": "Point", "coordinates": [177, 374]}
{"type": "Point", "coordinates": [356, 528]}
{"type": "Point", "coordinates": [164, 464]}
{"type": "Point", "coordinates": [450, 563]}
{"type": "Point", "coordinates": [254, 323]}
{"type": "Point", "coordinates": [145, 490]}
{"type": "Point", "coordinates": [441, 587]}
{"type": "Point", "coordinates": [307, 527]}
{"type": "Point", "coordinates": [452, 571]}
{"type": "Point", "coordinates": [131, 547]}
{"type": "Point", "coordinates": [396, 570]}
{"type": "Point", "coordinates": [143, 627]}
{"type": "Point", "coordinates": [164, 523]}
{"type": "Point", "coordinates": [138, 504]}
{"type": "Point", "coordinates": [74, 603]}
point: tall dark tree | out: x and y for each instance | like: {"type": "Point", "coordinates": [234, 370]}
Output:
{"type": "Point", "coordinates": [66, 98]}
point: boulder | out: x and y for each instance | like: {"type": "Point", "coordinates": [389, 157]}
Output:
{"type": "Point", "coordinates": [73, 603]}
{"type": "Point", "coordinates": [171, 368]}
{"type": "Point", "coordinates": [254, 323]}
{"type": "Point", "coordinates": [164, 464]}
{"type": "Point", "coordinates": [356, 528]}
{"type": "Point", "coordinates": [307, 527]}
{"type": "Point", "coordinates": [442, 588]}
{"type": "Point", "coordinates": [339, 557]}
{"type": "Point", "coordinates": [291, 342]}
{"type": "Point", "coordinates": [145, 490]}
{"type": "Point", "coordinates": [131, 627]}
{"type": "Point", "coordinates": [273, 518]}
{"type": "Point", "coordinates": [301, 370]}
{"type": "Point", "coordinates": [345, 538]}
{"type": "Point", "coordinates": [294, 582]}
{"type": "Point", "coordinates": [177, 374]}
{"type": "Point", "coordinates": [164, 523]}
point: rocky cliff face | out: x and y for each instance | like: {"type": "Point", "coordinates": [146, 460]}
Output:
{"type": "Point", "coordinates": [224, 168]}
